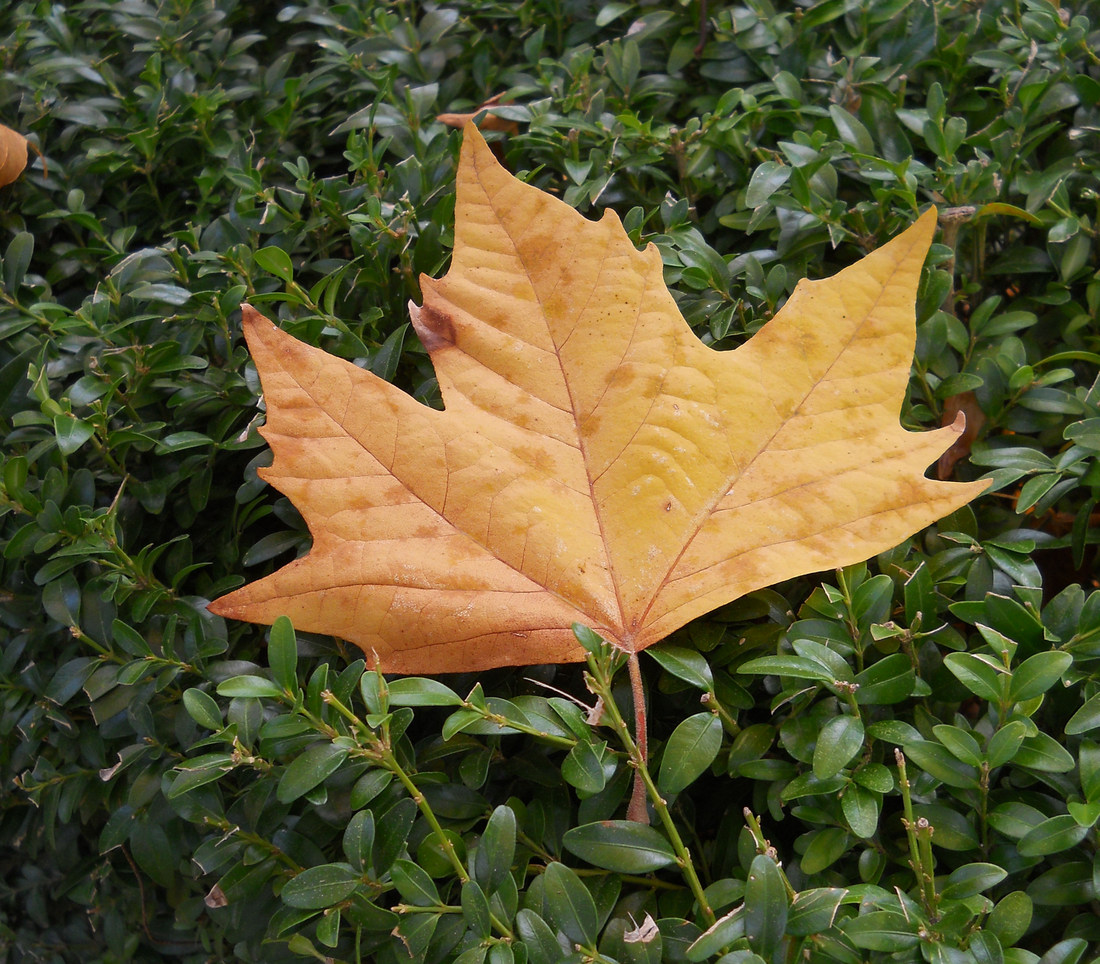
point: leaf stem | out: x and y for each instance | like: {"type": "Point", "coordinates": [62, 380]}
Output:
{"type": "Point", "coordinates": [637, 810]}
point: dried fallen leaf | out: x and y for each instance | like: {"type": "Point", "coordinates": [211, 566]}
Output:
{"type": "Point", "coordinates": [967, 404]}
{"type": "Point", "coordinates": [13, 155]}
{"type": "Point", "coordinates": [644, 933]}
{"type": "Point", "coordinates": [595, 462]}
{"type": "Point", "coordinates": [488, 120]}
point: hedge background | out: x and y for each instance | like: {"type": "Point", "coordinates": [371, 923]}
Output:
{"type": "Point", "coordinates": [197, 153]}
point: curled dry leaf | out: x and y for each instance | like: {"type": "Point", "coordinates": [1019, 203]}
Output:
{"type": "Point", "coordinates": [965, 403]}
{"type": "Point", "coordinates": [488, 120]}
{"type": "Point", "coordinates": [595, 462]}
{"type": "Point", "coordinates": [644, 933]}
{"type": "Point", "coordinates": [13, 154]}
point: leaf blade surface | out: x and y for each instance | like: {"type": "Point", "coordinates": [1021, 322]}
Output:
{"type": "Point", "coordinates": [594, 462]}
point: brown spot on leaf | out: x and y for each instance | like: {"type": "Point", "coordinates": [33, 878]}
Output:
{"type": "Point", "coordinates": [435, 329]}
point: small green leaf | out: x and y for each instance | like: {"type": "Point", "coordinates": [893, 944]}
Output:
{"type": "Point", "coordinates": [1086, 814]}
{"type": "Point", "coordinates": [252, 686]}
{"type": "Point", "coordinates": [570, 904]}
{"type": "Point", "coordinates": [959, 742]}
{"type": "Point", "coordinates": [368, 786]}
{"type": "Point", "coordinates": [282, 654]}
{"type": "Point", "coordinates": [938, 762]}
{"type": "Point", "coordinates": [623, 846]}
{"type": "Point", "coordinates": [1086, 719]}
{"type": "Point", "coordinates": [851, 130]}
{"type": "Point", "coordinates": [319, 887]}
{"type": "Point", "coordinates": [542, 946]}
{"type": "Point", "coordinates": [749, 745]}
{"type": "Point", "coordinates": [977, 675]}
{"type": "Point", "coordinates": [275, 261]}
{"type": "Point", "coordinates": [199, 772]}
{"type": "Point", "coordinates": [386, 360]}
{"type": "Point", "coordinates": [766, 906]}
{"type": "Point", "coordinates": [1052, 836]}
{"type": "Point", "coordinates": [1010, 918]}
{"type": "Point", "coordinates": [1088, 762]}
{"type": "Point", "coordinates": [689, 752]}
{"type": "Point", "coordinates": [685, 664]}
{"type": "Point", "coordinates": [17, 259]}
{"type": "Point", "coordinates": [920, 597]}
{"type": "Point", "coordinates": [881, 930]}
{"type": "Point", "coordinates": [413, 884]}
{"type": "Point", "coordinates": [71, 433]}
{"type": "Point", "coordinates": [818, 652]}
{"type": "Point", "coordinates": [861, 810]}
{"type": "Point", "coordinates": [419, 691]}
{"type": "Point", "coordinates": [392, 831]}
{"type": "Point", "coordinates": [1043, 752]}
{"type": "Point", "coordinates": [1003, 744]}
{"type": "Point", "coordinates": [723, 932]}
{"type": "Point", "coordinates": [814, 911]}
{"type": "Point", "coordinates": [328, 927]}
{"type": "Point", "coordinates": [1069, 951]}
{"type": "Point", "coordinates": [972, 879]}
{"type": "Point", "coordinates": [1037, 674]}
{"type": "Point", "coordinates": [415, 933]}
{"type": "Point", "coordinates": [309, 769]}
{"type": "Point", "coordinates": [806, 784]}
{"type": "Point", "coordinates": [475, 909]}
{"type": "Point", "coordinates": [202, 708]}
{"type": "Point", "coordinates": [496, 849]}
{"type": "Point", "coordinates": [824, 848]}
{"type": "Point", "coordinates": [874, 776]}
{"type": "Point", "coordinates": [592, 641]}
{"type": "Point", "coordinates": [181, 442]}
{"type": "Point", "coordinates": [765, 181]}
{"type": "Point", "coordinates": [795, 667]}
{"type": "Point", "coordinates": [840, 740]}
{"type": "Point", "coordinates": [358, 839]}
{"type": "Point", "coordinates": [584, 767]}
{"type": "Point", "coordinates": [890, 680]}
{"type": "Point", "coordinates": [1065, 885]}
{"type": "Point", "coordinates": [434, 859]}
{"type": "Point", "coordinates": [168, 294]}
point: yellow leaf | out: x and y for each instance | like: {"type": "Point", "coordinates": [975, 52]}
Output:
{"type": "Point", "coordinates": [13, 155]}
{"type": "Point", "coordinates": [595, 462]}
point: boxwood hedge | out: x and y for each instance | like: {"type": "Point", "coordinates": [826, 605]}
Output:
{"type": "Point", "coordinates": [898, 761]}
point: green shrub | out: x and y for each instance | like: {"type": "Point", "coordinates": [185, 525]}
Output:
{"type": "Point", "coordinates": [177, 787]}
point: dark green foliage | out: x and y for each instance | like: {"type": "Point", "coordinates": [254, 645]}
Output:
{"type": "Point", "coordinates": [899, 761]}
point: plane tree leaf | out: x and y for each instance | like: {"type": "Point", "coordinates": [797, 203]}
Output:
{"type": "Point", "coordinates": [594, 461]}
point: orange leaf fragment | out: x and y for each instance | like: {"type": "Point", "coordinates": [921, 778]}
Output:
{"type": "Point", "coordinates": [595, 462]}
{"type": "Point", "coordinates": [13, 155]}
